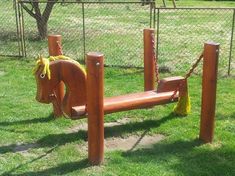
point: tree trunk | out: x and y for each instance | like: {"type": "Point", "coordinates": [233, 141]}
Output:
{"type": "Point", "coordinates": [41, 18]}
{"type": "Point", "coordinates": [42, 28]}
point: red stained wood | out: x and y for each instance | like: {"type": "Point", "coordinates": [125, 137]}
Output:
{"type": "Point", "coordinates": [130, 102]}
{"type": "Point", "coordinates": [55, 45]}
{"type": "Point", "coordinates": [209, 82]}
{"type": "Point", "coordinates": [95, 103]}
{"type": "Point", "coordinates": [149, 63]}
{"type": "Point", "coordinates": [169, 84]}
{"type": "Point", "coordinates": [55, 49]}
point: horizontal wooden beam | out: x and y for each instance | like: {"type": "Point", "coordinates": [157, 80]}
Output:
{"type": "Point", "coordinates": [129, 102]}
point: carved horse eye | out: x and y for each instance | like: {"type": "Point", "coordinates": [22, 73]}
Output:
{"type": "Point", "coordinates": [42, 75]}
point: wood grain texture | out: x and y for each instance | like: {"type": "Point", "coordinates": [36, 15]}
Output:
{"type": "Point", "coordinates": [209, 84]}
{"type": "Point", "coordinates": [129, 102]}
{"type": "Point", "coordinates": [149, 63]}
{"type": "Point", "coordinates": [55, 49]}
{"type": "Point", "coordinates": [95, 103]}
{"type": "Point", "coordinates": [169, 84]}
{"type": "Point", "coordinates": [72, 75]}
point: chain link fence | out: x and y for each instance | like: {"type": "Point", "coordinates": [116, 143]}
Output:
{"type": "Point", "coordinates": [116, 29]}
{"type": "Point", "coordinates": [10, 42]}
{"type": "Point", "coordinates": [231, 69]}
{"type": "Point", "coordinates": [182, 32]}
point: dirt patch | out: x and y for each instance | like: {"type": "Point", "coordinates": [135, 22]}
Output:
{"type": "Point", "coordinates": [132, 142]}
{"type": "Point", "coordinates": [82, 126]}
{"type": "Point", "coordinates": [128, 143]}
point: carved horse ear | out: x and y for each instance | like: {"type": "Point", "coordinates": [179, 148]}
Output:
{"type": "Point", "coordinates": [38, 63]}
{"type": "Point", "coordinates": [40, 58]}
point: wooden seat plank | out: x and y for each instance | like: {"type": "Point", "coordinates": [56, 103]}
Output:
{"type": "Point", "coordinates": [129, 102]}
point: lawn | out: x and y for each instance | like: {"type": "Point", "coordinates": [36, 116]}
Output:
{"type": "Point", "coordinates": [34, 143]}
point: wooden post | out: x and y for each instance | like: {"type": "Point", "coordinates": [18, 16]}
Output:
{"type": "Point", "coordinates": [149, 62]}
{"type": "Point", "coordinates": [209, 82]}
{"type": "Point", "coordinates": [95, 107]}
{"type": "Point", "coordinates": [55, 49]}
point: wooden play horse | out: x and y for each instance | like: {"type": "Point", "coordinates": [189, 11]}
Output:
{"type": "Point", "coordinates": [54, 70]}
{"type": "Point", "coordinates": [85, 91]}
{"type": "Point", "coordinates": [49, 74]}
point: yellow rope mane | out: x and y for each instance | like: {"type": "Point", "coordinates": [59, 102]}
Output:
{"type": "Point", "coordinates": [45, 62]}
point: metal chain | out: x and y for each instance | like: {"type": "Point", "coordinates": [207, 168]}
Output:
{"type": "Point", "coordinates": [154, 57]}
{"type": "Point", "coordinates": [187, 75]}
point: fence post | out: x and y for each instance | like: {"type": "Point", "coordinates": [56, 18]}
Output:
{"type": "Point", "coordinates": [16, 6]}
{"type": "Point", "coordinates": [55, 49]}
{"type": "Point", "coordinates": [95, 107]}
{"type": "Point", "coordinates": [209, 84]}
{"type": "Point", "coordinates": [83, 32]}
{"type": "Point", "coordinates": [20, 29]}
{"type": "Point", "coordinates": [149, 62]}
{"type": "Point", "coordinates": [158, 32]}
{"type": "Point", "coordinates": [174, 4]}
{"type": "Point", "coordinates": [231, 44]}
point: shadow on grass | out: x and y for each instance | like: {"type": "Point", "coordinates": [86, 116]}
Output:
{"type": "Point", "coordinates": [187, 158]}
{"type": "Point", "coordinates": [29, 121]}
{"type": "Point", "coordinates": [14, 130]}
{"type": "Point", "coordinates": [56, 140]}
{"type": "Point", "coordinates": [61, 169]}
{"type": "Point", "coordinates": [119, 130]}
{"type": "Point", "coordinates": [63, 138]}
{"type": "Point", "coordinates": [31, 161]}
{"type": "Point", "coordinates": [221, 116]}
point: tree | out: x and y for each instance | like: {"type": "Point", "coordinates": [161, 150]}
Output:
{"type": "Point", "coordinates": [34, 10]}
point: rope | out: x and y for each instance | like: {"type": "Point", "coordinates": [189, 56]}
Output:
{"type": "Point", "coordinates": [187, 75]}
{"type": "Point", "coordinates": [194, 66]}
{"type": "Point", "coordinates": [154, 57]}
{"type": "Point", "coordinates": [60, 47]}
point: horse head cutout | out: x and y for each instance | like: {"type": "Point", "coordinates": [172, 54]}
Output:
{"type": "Point", "coordinates": [49, 72]}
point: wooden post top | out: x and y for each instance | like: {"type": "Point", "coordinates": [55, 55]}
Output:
{"type": "Point", "coordinates": [55, 45]}
{"type": "Point", "coordinates": [149, 29]}
{"type": "Point", "coordinates": [92, 55]}
{"type": "Point", "coordinates": [212, 43]}
{"type": "Point", "coordinates": [54, 36]}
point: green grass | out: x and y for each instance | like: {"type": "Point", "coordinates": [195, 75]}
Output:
{"type": "Point", "coordinates": [34, 143]}
{"type": "Point", "coordinates": [204, 3]}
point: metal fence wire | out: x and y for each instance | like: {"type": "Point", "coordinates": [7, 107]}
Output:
{"type": "Point", "coordinates": [182, 32]}
{"type": "Point", "coordinates": [10, 44]}
{"type": "Point", "coordinates": [116, 29]}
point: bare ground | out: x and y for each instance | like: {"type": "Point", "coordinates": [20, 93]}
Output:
{"type": "Point", "coordinates": [128, 143]}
